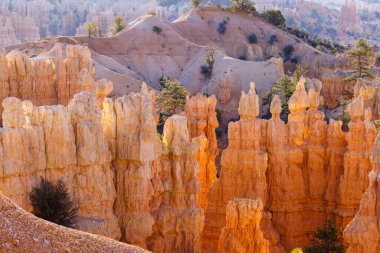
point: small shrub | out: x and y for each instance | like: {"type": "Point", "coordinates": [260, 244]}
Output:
{"type": "Point", "coordinates": [52, 202]}
{"type": "Point", "coordinates": [243, 58]}
{"type": "Point", "coordinates": [152, 13]}
{"type": "Point", "coordinates": [157, 29]}
{"type": "Point", "coordinates": [206, 70]}
{"type": "Point", "coordinates": [252, 38]}
{"type": "Point", "coordinates": [273, 39]}
{"type": "Point", "coordinates": [244, 5]}
{"type": "Point", "coordinates": [274, 17]}
{"type": "Point", "coordinates": [222, 28]}
{"type": "Point", "coordinates": [196, 3]}
{"type": "Point", "coordinates": [288, 50]}
{"type": "Point", "coordinates": [119, 25]}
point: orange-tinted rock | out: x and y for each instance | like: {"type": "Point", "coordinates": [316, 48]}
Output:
{"type": "Point", "coordinates": [306, 167]}
{"type": "Point", "coordinates": [242, 233]}
{"type": "Point", "coordinates": [363, 232]}
{"type": "Point", "coordinates": [202, 121]}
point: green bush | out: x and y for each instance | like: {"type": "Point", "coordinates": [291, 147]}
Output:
{"type": "Point", "coordinates": [274, 17]}
{"type": "Point", "coordinates": [157, 29]}
{"type": "Point", "coordinates": [52, 202]}
{"type": "Point", "coordinates": [252, 38]}
{"type": "Point", "coordinates": [326, 240]}
{"type": "Point", "coordinates": [244, 5]}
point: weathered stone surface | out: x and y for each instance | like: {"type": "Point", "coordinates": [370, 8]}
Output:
{"type": "Point", "coordinates": [302, 170]}
{"type": "Point", "coordinates": [202, 122]}
{"type": "Point", "coordinates": [242, 233]}
{"type": "Point", "coordinates": [363, 232]}
{"type": "Point", "coordinates": [23, 232]}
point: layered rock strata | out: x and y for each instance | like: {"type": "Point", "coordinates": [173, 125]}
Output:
{"type": "Point", "coordinates": [242, 233]}
{"type": "Point", "coordinates": [301, 170]}
{"type": "Point", "coordinates": [157, 182]}
{"type": "Point", "coordinates": [202, 122]}
{"type": "Point", "coordinates": [363, 232]}
{"type": "Point", "coordinates": [50, 81]}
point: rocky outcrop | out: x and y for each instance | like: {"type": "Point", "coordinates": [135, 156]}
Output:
{"type": "Point", "coordinates": [242, 233]}
{"type": "Point", "coordinates": [23, 232]}
{"type": "Point", "coordinates": [333, 89]}
{"type": "Point", "coordinates": [155, 203]}
{"type": "Point", "coordinates": [363, 232]}
{"type": "Point", "coordinates": [50, 81]}
{"type": "Point", "coordinates": [301, 170]}
{"type": "Point", "coordinates": [60, 143]}
{"type": "Point", "coordinates": [202, 122]}
{"type": "Point", "coordinates": [371, 96]}
{"type": "Point", "coordinates": [157, 185]}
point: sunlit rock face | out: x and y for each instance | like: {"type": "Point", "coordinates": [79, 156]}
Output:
{"type": "Point", "coordinates": [363, 232]}
{"type": "Point", "coordinates": [50, 81]}
{"type": "Point", "coordinates": [301, 170]}
{"type": "Point", "coordinates": [242, 233]}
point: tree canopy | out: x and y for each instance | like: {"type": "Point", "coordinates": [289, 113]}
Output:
{"type": "Point", "coordinates": [362, 60]}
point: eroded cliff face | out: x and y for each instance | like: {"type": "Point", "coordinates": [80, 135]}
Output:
{"type": "Point", "coordinates": [302, 170]}
{"type": "Point", "coordinates": [55, 142]}
{"type": "Point", "coordinates": [50, 81]}
{"type": "Point", "coordinates": [129, 184]}
{"type": "Point", "coordinates": [202, 122]}
{"type": "Point", "coordinates": [363, 232]}
{"type": "Point", "coordinates": [242, 233]}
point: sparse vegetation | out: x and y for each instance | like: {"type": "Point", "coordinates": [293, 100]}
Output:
{"type": "Point", "coordinates": [152, 13]}
{"type": "Point", "coordinates": [252, 38]}
{"type": "Point", "coordinates": [52, 202]}
{"type": "Point", "coordinates": [119, 25]}
{"type": "Point", "coordinates": [284, 88]}
{"type": "Point", "coordinates": [172, 97]}
{"type": "Point", "coordinates": [157, 29]}
{"type": "Point", "coordinates": [222, 28]}
{"type": "Point", "coordinates": [207, 69]}
{"type": "Point", "coordinates": [288, 51]}
{"type": "Point", "coordinates": [196, 3]}
{"type": "Point", "coordinates": [274, 17]}
{"type": "Point", "coordinates": [362, 60]}
{"type": "Point", "coordinates": [245, 6]}
{"type": "Point", "coordinates": [273, 39]}
{"type": "Point", "coordinates": [326, 240]}
{"type": "Point", "coordinates": [297, 250]}
{"type": "Point", "coordinates": [91, 28]}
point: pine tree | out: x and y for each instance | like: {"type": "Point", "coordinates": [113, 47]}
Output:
{"type": "Point", "coordinates": [172, 98]}
{"type": "Point", "coordinates": [362, 60]}
{"type": "Point", "coordinates": [326, 240]}
{"type": "Point", "coordinates": [119, 25]}
{"type": "Point", "coordinates": [52, 202]}
{"type": "Point", "coordinates": [244, 6]}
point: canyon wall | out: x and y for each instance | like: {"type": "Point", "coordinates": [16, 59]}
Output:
{"type": "Point", "coordinates": [371, 95]}
{"type": "Point", "coordinates": [301, 170]}
{"type": "Point", "coordinates": [50, 81]}
{"type": "Point", "coordinates": [129, 184]}
{"type": "Point", "coordinates": [242, 232]}
{"type": "Point", "coordinates": [363, 233]}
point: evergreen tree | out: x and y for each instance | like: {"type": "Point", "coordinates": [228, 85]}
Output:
{"type": "Point", "coordinates": [284, 88]}
{"type": "Point", "coordinates": [326, 240]}
{"type": "Point", "coordinates": [196, 3]}
{"type": "Point", "coordinates": [172, 98]}
{"type": "Point", "coordinates": [52, 202]}
{"type": "Point", "coordinates": [91, 28]}
{"type": "Point", "coordinates": [362, 60]}
{"type": "Point", "coordinates": [119, 25]}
